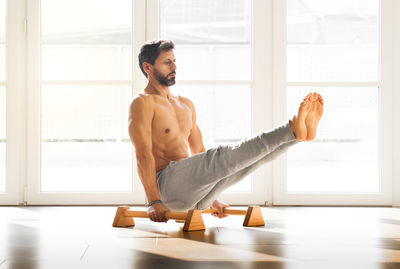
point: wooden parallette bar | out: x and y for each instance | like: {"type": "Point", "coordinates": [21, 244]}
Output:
{"type": "Point", "coordinates": [168, 215]}
{"type": "Point", "coordinates": [226, 211]}
{"type": "Point", "coordinates": [193, 219]}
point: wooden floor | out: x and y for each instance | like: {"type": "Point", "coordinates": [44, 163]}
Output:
{"type": "Point", "coordinates": [293, 237]}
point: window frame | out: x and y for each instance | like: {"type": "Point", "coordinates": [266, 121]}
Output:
{"type": "Point", "coordinates": [15, 103]}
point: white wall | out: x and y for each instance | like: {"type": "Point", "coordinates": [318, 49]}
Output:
{"type": "Point", "coordinates": [396, 103]}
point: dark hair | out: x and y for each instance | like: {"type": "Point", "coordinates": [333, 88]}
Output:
{"type": "Point", "coordinates": [150, 51]}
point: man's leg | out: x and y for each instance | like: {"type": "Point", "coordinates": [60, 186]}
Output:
{"type": "Point", "coordinates": [184, 183]}
{"type": "Point", "coordinates": [227, 182]}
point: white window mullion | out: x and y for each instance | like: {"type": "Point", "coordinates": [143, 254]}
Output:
{"type": "Point", "coordinates": [33, 99]}
{"type": "Point", "coordinates": [152, 19]}
{"type": "Point", "coordinates": [139, 37]}
{"type": "Point", "coordinates": [396, 102]}
{"type": "Point", "coordinates": [262, 88]}
{"type": "Point", "coordinates": [139, 86]}
{"type": "Point", "coordinates": [15, 103]}
{"type": "Point", "coordinates": [385, 104]}
{"type": "Point", "coordinates": [138, 82]}
{"type": "Point", "coordinates": [212, 82]}
{"type": "Point", "coordinates": [334, 84]}
{"type": "Point", "coordinates": [279, 91]}
{"type": "Point", "coordinates": [85, 82]}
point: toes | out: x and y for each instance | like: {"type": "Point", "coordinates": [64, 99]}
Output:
{"type": "Point", "coordinates": [313, 97]}
{"type": "Point", "coordinates": [320, 99]}
{"type": "Point", "coordinates": [308, 96]}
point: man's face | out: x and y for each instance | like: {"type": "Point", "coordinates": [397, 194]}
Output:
{"type": "Point", "coordinates": [164, 68]}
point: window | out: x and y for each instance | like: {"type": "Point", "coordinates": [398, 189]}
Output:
{"type": "Point", "coordinates": [213, 42]}
{"type": "Point", "coordinates": [68, 77]}
{"type": "Point", "coordinates": [335, 41]}
{"type": "Point", "coordinates": [86, 71]}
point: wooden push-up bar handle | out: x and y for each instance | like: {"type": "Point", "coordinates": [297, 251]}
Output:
{"type": "Point", "coordinates": [193, 219]}
{"type": "Point", "coordinates": [226, 211]}
{"type": "Point", "coordinates": [168, 215]}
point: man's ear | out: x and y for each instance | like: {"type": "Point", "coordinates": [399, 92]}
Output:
{"type": "Point", "coordinates": [147, 68]}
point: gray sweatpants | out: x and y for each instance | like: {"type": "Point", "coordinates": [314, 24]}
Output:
{"type": "Point", "coordinates": [196, 181]}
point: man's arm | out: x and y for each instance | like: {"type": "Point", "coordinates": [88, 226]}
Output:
{"type": "Point", "coordinates": [140, 118]}
{"type": "Point", "coordinates": [195, 139]}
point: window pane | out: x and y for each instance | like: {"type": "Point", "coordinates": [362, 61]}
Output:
{"type": "Point", "coordinates": [344, 155]}
{"type": "Point", "coordinates": [222, 120]}
{"type": "Point", "coordinates": [85, 142]}
{"type": "Point", "coordinates": [213, 62]}
{"type": "Point", "coordinates": [2, 139]}
{"type": "Point", "coordinates": [2, 40]}
{"type": "Point", "coordinates": [95, 44]}
{"type": "Point", "coordinates": [332, 40]}
{"type": "Point", "coordinates": [212, 37]}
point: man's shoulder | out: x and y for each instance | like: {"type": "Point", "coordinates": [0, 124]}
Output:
{"type": "Point", "coordinates": [141, 99]}
{"type": "Point", "coordinates": [185, 100]}
{"type": "Point", "coordinates": [143, 96]}
{"type": "Point", "coordinates": [141, 102]}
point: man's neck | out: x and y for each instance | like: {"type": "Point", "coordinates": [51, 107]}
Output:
{"type": "Point", "coordinates": [157, 88]}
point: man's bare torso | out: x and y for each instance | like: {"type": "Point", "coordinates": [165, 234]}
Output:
{"type": "Point", "coordinates": [171, 127]}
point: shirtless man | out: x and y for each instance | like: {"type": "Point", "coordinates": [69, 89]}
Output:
{"type": "Point", "coordinates": [163, 128]}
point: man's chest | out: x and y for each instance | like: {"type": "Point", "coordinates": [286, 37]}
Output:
{"type": "Point", "coordinates": [172, 119]}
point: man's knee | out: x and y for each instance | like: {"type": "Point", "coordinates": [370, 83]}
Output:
{"type": "Point", "coordinates": [201, 206]}
{"type": "Point", "coordinates": [179, 206]}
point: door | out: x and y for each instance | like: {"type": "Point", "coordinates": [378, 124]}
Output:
{"type": "Point", "coordinates": [215, 54]}
{"type": "Point", "coordinates": [81, 81]}
{"type": "Point", "coordinates": [340, 50]}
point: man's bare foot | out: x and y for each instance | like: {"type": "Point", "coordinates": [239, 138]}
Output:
{"type": "Point", "coordinates": [314, 115]}
{"type": "Point", "coordinates": [298, 123]}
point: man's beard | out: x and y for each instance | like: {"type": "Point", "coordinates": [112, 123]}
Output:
{"type": "Point", "coordinates": [164, 80]}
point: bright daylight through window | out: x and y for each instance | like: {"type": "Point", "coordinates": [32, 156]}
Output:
{"type": "Point", "coordinates": [85, 144]}
{"type": "Point", "coordinates": [335, 41]}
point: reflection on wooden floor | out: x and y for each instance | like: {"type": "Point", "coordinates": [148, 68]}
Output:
{"type": "Point", "coordinates": [293, 237]}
